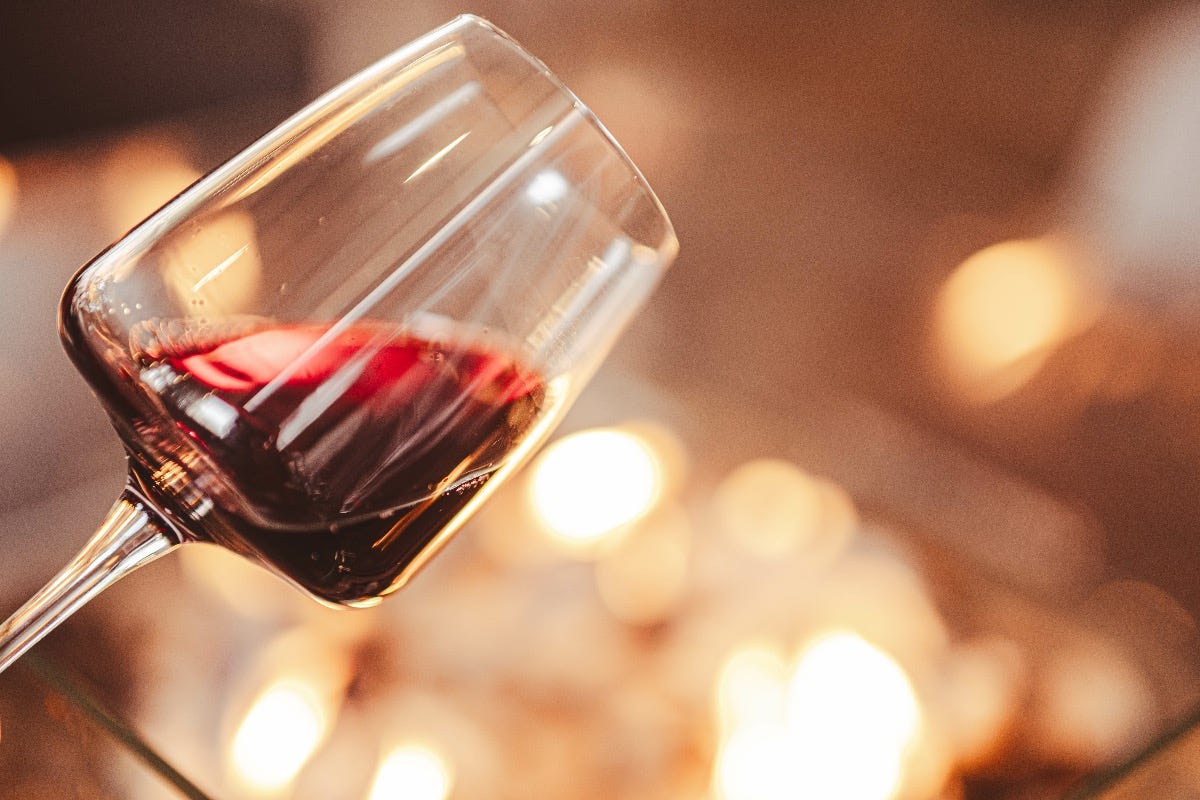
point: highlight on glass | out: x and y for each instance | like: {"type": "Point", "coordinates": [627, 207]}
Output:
{"type": "Point", "coordinates": [325, 354]}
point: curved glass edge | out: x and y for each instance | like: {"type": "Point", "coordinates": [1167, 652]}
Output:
{"type": "Point", "coordinates": [237, 167]}
{"type": "Point", "coordinates": [669, 247]}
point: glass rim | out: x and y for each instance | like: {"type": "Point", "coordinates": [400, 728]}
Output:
{"type": "Point", "coordinates": [584, 110]}
{"type": "Point", "coordinates": [259, 151]}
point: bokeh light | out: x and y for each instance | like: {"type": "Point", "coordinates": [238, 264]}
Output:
{"type": "Point", "coordinates": [1094, 704]}
{"type": "Point", "coordinates": [1001, 313]}
{"type": "Point", "coordinates": [843, 725]}
{"type": "Point", "coordinates": [771, 508]}
{"type": "Point", "coordinates": [756, 763]}
{"type": "Point", "coordinates": [884, 599]}
{"type": "Point", "coordinates": [643, 579]}
{"type": "Point", "coordinates": [752, 687]}
{"type": "Point", "coordinates": [283, 708]}
{"type": "Point", "coordinates": [854, 713]}
{"type": "Point", "coordinates": [412, 772]}
{"type": "Point", "coordinates": [279, 734]}
{"type": "Point", "coordinates": [590, 485]}
{"type": "Point", "coordinates": [215, 268]}
{"type": "Point", "coordinates": [980, 691]}
{"type": "Point", "coordinates": [141, 174]}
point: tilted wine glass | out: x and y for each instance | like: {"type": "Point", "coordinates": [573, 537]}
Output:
{"type": "Point", "coordinates": [326, 353]}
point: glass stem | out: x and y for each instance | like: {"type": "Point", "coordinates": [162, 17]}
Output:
{"type": "Point", "coordinates": [131, 535]}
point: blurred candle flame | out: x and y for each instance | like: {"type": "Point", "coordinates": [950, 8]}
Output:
{"type": "Point", "coordinates": [412, 772]}
{"type": "Point", "coordinates": [589, 486]}
{"type": "Point", "coordinates": [280, 732]}
{"type": "Point", "coordinates": [300, 680]}
{"type": "Point", "coordinates": [849, 721]}
{"type": "Point", "coordinates": [854, 713]}
{"type": "Point", "coordinates": [755, 763]}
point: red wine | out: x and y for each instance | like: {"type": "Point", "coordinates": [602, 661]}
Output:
{"type": "Point", "coordinates": [335, 454]}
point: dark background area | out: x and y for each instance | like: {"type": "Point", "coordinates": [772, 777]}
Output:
{"type": "Point", "coordinates": [78, 68]}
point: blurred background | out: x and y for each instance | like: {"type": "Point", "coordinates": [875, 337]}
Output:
{"type": "Point", "coordinates": [890, 493]}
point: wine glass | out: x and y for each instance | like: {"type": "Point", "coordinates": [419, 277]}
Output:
{"type": "Point", "coordinates": [325, 354]}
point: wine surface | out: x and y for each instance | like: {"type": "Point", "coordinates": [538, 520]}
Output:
{"type": "Point", "coordinates": [337, 454]}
